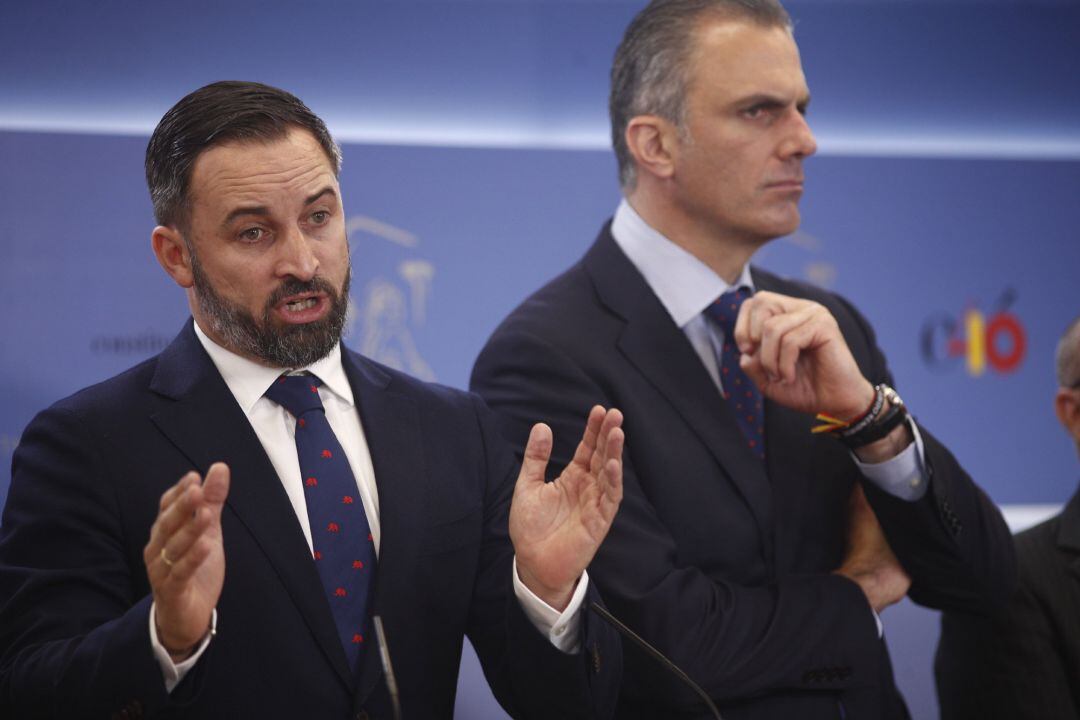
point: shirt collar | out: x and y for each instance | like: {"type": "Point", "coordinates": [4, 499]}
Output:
{"type": "Point", "coordinates": [684, 284]}
{"type": "Point", "coordinates": [249, 380]}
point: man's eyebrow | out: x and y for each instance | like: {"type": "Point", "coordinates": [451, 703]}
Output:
{"type": "Point", "coordinates": [325, 191]}
{"type": "Point", "coordinates": [263, 211]}
{"type": "Point", "coordinates": [245, 210]}
{"type": "Point", "coordinates": [762, 99]}
{"type": "Point", "coordinates": [771, 101]}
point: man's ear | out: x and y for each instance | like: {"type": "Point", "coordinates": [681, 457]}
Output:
{"type": "Point", "coordinates": [1067, 408]}
{"type": "Point", "coordinates": [654, 143]}
{"type": "Point", "coordinates": [172, 253]}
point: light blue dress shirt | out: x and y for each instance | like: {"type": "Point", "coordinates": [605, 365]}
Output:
{"type": "Point", "coordinates": [686, 286]}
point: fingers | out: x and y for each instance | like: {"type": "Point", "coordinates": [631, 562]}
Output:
{"type": "Point", "coordinates": [170, 495]}
{"type": "Point", "coordinates": [585, 454]}
{"type": "Point", "coordinates": [750, 330]}
{"type": "Point", "coordinates": [776, 330]}
{"type": "Point", "coordinates": [598, 455]}
{"type": "Point", "coordinates": [187, 510]}
{"type": "Point", "coordinates": [606, 462]}
{"type": "Point", "coordinates": [193, 546]}
{"type": "Point", "coordinates": [537, 453]}
{"type": "Point", "coordinates": [611, 489]}
{"type": "Point", "coordinates": [742, 337]}
{"type": "Point", "coordinates": [176, 505]}
{"type": "Point", "coordinates": [593, 451]}
{"type": "Point", "coordinates": [754, 312]}
{"type": "Point", "coordinates": [611, 438]}
{"type": "Point", "coordinates": [783, 337]}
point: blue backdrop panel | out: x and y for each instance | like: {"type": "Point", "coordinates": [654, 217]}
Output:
{"type": "Point", "coordinates": [498, 71]}
{"type": "Point", "coordinates": [446, 241]}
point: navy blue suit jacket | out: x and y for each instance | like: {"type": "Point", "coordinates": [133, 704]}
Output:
{"type": "Point", "coordinates": [721, 561]}
{"type": "Point", "coordinates": [74, 597]}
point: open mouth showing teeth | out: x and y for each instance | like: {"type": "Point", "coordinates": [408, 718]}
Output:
{"type": "Point", "coordinates": [298, 305]}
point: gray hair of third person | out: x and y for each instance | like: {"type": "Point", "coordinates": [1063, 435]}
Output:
{"type": "Point", "coordinates": [1067, 357]}
{"type": "Point", "coordinates": [649, 74]}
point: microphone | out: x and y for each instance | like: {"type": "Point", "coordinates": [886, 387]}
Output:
{"type": "Point", "coordinates": [388, 669]}
{"type": "Point", "coordinates": [656, 654]}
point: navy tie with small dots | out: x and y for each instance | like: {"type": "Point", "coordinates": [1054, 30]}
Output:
{"type": "Point", "coordinates": [740, 392]}
{"type": "Point", "coordinates": [343, 550]}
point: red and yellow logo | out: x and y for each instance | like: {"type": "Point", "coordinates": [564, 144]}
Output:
{"type": "Point", "coordinates": [976, 338]}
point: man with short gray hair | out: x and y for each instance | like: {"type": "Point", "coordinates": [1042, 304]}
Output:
{"type": "Point", "coordinates": [748, 547]}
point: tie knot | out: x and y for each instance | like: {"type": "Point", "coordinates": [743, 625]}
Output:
{"type": "Point", "coordinates": [725, 310]}
{"type": "Point", "coordinates": [296, 393]}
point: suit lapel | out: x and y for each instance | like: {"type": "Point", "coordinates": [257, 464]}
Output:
{"type": "Point", "coordinates": [391, 423]}
{"type": "Point", "coordinates": [788, 443]}
{"type": "Point", "coordinates": [661, 352]}
{"type": "Point", "coordinates": [207, 425]}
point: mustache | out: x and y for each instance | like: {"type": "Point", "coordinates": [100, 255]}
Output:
{"type": "Point", "coordinates": [292, 286]}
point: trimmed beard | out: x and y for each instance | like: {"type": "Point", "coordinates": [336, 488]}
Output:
{"type": "Point", "coordinates": [290, 346]}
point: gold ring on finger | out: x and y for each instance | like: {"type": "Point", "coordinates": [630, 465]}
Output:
{"type": "Point", "coordinates": [165, 557]}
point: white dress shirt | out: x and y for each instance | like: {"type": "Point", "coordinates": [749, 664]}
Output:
{"type": "Point", "coordinates": [275, 428]}
{"type": "Point", "coordinates": [686, 286]}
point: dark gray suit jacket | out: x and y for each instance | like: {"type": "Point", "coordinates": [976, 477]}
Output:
{"type": "Point", "coordinates": [1025, 662]}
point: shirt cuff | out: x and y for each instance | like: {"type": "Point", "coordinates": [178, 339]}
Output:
{"type": "Point", "coordinates": [172, 672]}
{"type": "Point", "coordinates": [562, 629]}
{"type": "Point", "coordinates": [903, 476]}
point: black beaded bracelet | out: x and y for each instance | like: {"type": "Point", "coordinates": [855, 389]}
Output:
{"type": "Point", "coordinates": [869, 417]}
{"type": "Point", "coordinates": [897, 413]}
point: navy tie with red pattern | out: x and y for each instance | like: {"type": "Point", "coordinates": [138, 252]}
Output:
{"type": "Point", "coordinates": [741, 393]}
{"type": "Point", "coordinates": [344, 552]}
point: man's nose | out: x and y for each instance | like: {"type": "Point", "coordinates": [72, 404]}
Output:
{"type": "Point", "coordinates": [298, 257]}
{"type": "Point", "coordinates": [799, 141]}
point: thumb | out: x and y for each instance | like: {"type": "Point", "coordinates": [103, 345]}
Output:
{"type": "Point", "coordinates": [537, 454]}
{"type": "Point", "coordinates": [216, 486]}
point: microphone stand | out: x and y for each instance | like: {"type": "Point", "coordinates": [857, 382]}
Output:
{"type": "Point", "coordinates": [656, 654]}
{"type": "Point", "coordinates": [388, 669]}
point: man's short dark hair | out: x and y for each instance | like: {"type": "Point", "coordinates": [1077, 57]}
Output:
{"type": "Point", "coordinates": [219, 113]}
{"type": "Point", "coordinates": [649, 74]}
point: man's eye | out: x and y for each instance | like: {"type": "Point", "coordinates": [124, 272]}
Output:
{"type": "Point", "coordinates": [252, 234]}
{"type": "Point", "coordinates": [319, 217]}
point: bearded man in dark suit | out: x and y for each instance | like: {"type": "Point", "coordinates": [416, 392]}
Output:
{"type": "Point", "coordinates": [212, 533]}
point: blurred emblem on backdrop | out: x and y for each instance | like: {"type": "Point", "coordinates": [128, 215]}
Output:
{"type": "Point", "coordinates": [395, 287]}
{"type": "Point", "coordinates": [978, 338]}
